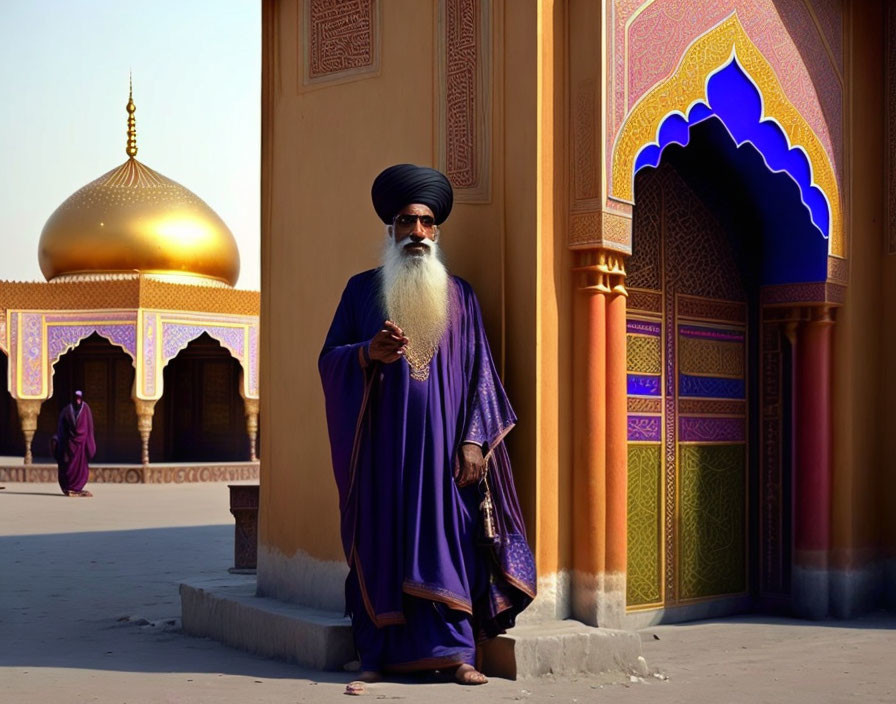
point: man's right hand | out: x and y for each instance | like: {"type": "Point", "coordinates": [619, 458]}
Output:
{"type": "Point", "coordinates": [388, 345]}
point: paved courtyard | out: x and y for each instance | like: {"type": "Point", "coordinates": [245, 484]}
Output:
{"type": "Point", "coordinates": [89, 612]}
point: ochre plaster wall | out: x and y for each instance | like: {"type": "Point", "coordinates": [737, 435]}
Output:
{"type": "Point", "coordinates": [322, 147]}
{"type": "Point", "coordinates": [326, 144]}
{"type": "Point", "coordinates": [861, 411]}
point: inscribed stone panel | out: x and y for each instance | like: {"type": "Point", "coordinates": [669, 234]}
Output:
{"type": "Point", "coordinates": [341, 39]}
{"type": "Point", "coordinates": [464, 94]}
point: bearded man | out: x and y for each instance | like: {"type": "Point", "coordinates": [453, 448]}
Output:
{"type": "Point", "coordinates": [417, 416]}
{"type": "Point", "coordinates": [74, 446]}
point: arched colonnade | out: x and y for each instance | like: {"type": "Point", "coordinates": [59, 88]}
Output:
{"type": "Point", "coordinates": [36, 341]}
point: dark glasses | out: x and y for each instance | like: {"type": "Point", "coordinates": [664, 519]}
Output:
{"type": "Point", "coordinates": [428, 221]}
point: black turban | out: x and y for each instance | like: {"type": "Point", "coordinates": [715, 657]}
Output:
{"type": "Point", "coordinates": [403, 184]}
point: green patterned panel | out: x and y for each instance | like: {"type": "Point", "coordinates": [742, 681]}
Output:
{"type": "Point", "coordinates": [644, 576]}
{"type": "Point", "coordinates": [712, 507]}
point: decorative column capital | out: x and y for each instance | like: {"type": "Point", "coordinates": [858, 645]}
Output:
{"type": "Point", "coordinates": [29, 410]}
{"type": "Point", "coordinates": [822, 314]}
{"type": "Point", "coordinates": [599, 270]}
{"type": "Point", "coordinates": [251, 406]}
{"type": "Point", "coordinates": [601, 228]}
{"type": "Point", "coordinates": [252, 426]}
{"type": "Point", "coordinates": [794, 318]}
{"type": "Point", "coordinates": [145, 409]}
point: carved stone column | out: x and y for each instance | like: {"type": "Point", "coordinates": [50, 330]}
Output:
{"type": "Point", "coordinates": [600, 449]}
{"type": "Point", "coordinates": [29, 410]}
{"type": "Point", "coordinates": [812, 464]}
{"type": "Point", "coordinates": [145, 410]}
{"type": "Point", "coordinates": [617, 449]}
{"type": "Point", "coordinates": [252, 426]}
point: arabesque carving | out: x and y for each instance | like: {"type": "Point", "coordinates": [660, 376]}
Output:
{"type": "Point", "coordinates": [340, 38]}
{"type": "Point", "coordinates": [464, 97]}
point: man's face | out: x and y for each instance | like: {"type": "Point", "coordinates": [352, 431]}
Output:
{"type": "Point", "coordinates": [413, 229]}
{"type": "Point", "coordinates": [77, 400]}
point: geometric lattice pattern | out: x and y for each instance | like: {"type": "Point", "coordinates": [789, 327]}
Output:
{"type": "Point", "coordinates": [711, 357]}
{"type": "Point", "coordinates": [686, 364]}
{"type": "Point", "coordinates": [644, 578]}
{"type": "Point", "coordinates": [712, 540]}
{"type": "Point", "coordinates": [644, 354]}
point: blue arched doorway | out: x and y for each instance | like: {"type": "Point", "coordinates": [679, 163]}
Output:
{"type": "Point", "coordinates": [728, 229]}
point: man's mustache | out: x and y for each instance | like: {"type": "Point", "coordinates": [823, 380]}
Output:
{"type": "Point", "coordinates": [414, 243]}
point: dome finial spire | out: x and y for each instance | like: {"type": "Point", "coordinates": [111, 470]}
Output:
{"type": "Point", "coordinates": [132, 130]}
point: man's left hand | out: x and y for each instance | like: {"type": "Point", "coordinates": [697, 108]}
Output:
{"type": "Point", "coordinates": [470, 466]}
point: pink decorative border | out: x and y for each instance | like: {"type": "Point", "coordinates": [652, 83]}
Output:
{"type": "Point", "coordinates": [648, 40]}
{"type": "Point", "coordinates": [237, 334]}
{"type": "Point", "coordinates": [46, 336]}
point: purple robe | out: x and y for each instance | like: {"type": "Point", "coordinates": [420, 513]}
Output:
{"type": "Point", "coordinates": [75, 446]}
{"type": "Point", "coordinates": [420, 590]}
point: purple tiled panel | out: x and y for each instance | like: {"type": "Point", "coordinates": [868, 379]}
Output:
{"type": "Point", "coordinates": [644, 428]}
{"type": "Point", "coordinates": [710, 387]}
{"type": "Point", "coordinates": [643, 327]}
{"type": "Point", "coordinates": [710, 429]}
{"type": "Point", "coordinates": [710, 333]}
{"type": "Point", "coordinates": [643, 385]}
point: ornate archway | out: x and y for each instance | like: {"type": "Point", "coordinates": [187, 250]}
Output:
{"type": "Point", "coordinates": [716, 442]}
{"type": "Point", "coordinates": [722, 81]}
{"type": "Point", "coordinates": [705, 85]}
{"type": "Point", "coordinates": [201, 414]}
{"type": "Point", "coordinates": [105, 373]}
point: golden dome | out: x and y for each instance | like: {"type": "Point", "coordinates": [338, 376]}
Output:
{"type": "Point", "coordinates": [133, 219]}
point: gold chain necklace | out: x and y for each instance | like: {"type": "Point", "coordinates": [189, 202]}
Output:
{"type": "Point", "coordinates": [419, 361]}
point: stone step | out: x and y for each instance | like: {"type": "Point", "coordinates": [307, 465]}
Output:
{"type": "Point", "coordinates": [227, 610]}
{"type": "Point", "coordinates": [562, 648]}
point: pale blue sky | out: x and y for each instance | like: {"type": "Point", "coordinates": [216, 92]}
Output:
{"type": "Point", "coordinates": [63, 90]}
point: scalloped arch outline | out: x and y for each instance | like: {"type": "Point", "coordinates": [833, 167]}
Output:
{"type": "Point", "coordinates": [688, 86]}
{"type": "Point", "coordinates": [242, 360]}
{"type": "Point", "coordinates": [72, 344]}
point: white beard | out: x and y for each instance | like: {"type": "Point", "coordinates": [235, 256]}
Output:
{"type": "Point", "coordinates": [415, 294]}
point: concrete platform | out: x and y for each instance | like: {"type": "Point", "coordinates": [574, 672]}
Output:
{"type": "Point", "coordinates": [169, 473]}
{"type": "Point", "coordinates": [227, 610]}
{"type": "Point", "coordinates": [562, 648]}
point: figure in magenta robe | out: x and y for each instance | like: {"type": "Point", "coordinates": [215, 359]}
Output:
{"type": "Point", "coordinates": [74, 446]}
{"type": "Point", "coordinates": [417, 416]}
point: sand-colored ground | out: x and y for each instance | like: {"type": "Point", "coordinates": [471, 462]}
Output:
{"type": "Point", "coordinates": [89, 612]}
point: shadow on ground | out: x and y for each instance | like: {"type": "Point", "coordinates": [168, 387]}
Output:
{"type": "Point", "coordinates": [108, 600]}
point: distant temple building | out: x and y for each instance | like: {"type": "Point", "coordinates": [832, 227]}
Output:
{"type": "Point", "coordinates": [680, 220]}
{"type": "Point", "coordinates": [140, 312]}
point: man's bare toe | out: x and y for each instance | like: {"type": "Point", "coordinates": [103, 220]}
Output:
{"type": "Point", "coordinates": [467, 674]}
{"type": "Point", "coordinates": [355, 688]}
